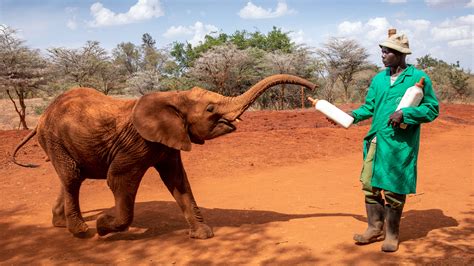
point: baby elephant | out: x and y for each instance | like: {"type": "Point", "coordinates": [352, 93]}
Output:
{"type": "Point", "coordinates": [89, 135]}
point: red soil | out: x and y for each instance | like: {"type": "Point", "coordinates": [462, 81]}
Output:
{"type": "Point", "coordinates": [282, 190]}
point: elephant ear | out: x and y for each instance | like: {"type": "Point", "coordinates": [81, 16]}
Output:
{"type": "Point", "coordinates": [157, 119]}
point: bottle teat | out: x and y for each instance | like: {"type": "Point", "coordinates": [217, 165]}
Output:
{"type": "Point", "coordinates": [421, 83]}
{"type": "Point", "coordinates": [313, 101]}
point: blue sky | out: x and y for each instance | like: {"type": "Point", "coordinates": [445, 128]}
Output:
{"type": "Point", "coordinates": [442, 28]}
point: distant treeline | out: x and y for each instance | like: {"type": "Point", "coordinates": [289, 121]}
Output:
{"type": "Point", "coordinates": [228, 64]}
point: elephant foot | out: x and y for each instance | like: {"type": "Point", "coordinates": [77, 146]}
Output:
{"type": "Point", "coordinates": [77, 228]}
{"type": "Point", "coordinates": [59, 221]}
{"type": "Point", "coordinates": [107, 224]}
{"type": "Point", "coordinates": [87, 234]}
{"type": "Point", "coordinates": [202, 231]}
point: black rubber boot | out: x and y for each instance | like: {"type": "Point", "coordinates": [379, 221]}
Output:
{"type": "Point", "coordinates": [393, 217]}
{"type": "Point", "coordinates": [375, 220]}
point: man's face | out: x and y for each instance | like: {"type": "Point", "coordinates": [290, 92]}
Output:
{"type": "Point", "coordinates": [390, 57]}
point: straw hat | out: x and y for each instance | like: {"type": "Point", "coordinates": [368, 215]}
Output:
{"type": "Point", "coordinates": [398, 42]}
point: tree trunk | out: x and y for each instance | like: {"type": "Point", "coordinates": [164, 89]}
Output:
{"type": "Point", "coordinates": [302, 98]}
{"type": "Point", "coordinates": [346, 93]}
{"type": "Point", "coordinates": [282, 97]}
{"type": "Point", "coordinates": [22, 111]}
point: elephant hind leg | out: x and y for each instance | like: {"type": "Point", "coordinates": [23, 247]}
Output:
{"type": "Point", "coordinates": [68, 199]}
{"type": "Point", "coordinates": [59, 215]}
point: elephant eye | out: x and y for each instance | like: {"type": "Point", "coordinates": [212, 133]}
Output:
{"type": "Point", "coordinates": [210, 108]}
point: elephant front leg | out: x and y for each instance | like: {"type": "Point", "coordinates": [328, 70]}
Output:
{"type": "Point", "coordinates": [124, 187]}
{"type": "Point", "coordinates": [173, 175]}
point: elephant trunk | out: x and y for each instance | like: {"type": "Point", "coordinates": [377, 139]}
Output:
{"type": "Point", "coordinates": [235, 106]}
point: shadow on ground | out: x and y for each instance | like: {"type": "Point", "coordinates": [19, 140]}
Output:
{"type": "Point", "coordinates": [163, 217]}
{"type": "Point", "coordinates": [447, 242]}
{"type": "Point", "coordinates": [162, 223]}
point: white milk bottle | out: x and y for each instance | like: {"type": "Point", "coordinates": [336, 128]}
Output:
{"type": "Point", "coordinates": [412, 97]}
{"type": "Point", "coordinates": [332, 112]}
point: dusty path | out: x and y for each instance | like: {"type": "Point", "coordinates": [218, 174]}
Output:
{"type": "Point", "coordinates": [282, 190]}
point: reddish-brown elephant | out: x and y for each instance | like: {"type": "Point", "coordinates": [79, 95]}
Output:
{"type": "Point", "coordinates": [89, 135]}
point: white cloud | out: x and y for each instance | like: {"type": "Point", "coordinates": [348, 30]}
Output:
{"type": "Point", "coordinates": [416, 24]}
{"type": "Point", "coordinates": [457, 32]}
{"type": "Point", "coordinates": [347, 27]}
{"type": "Point", "coordinates": [72, 22]}
{"type": "Point", "coordinates": [298, 37]}
{"type": "Point", "coordinates": [142, 10]}
{"type": "Point", "coordinates": [375, 29]}
{"type": "Point", "coordinates": [469, 20]}
{"type": "Point", "coordinates": [251, 11]}
{"type": "Point", "coordinates": [451, 33]}
{"type": "Point", "coordinates": [197, 32]}
{"type": "Point", "coordinates": [368, 34]}
{"type": "Point", "coordinates": [470, 4]}
{"type": "Point", "coordinates": [464, 42]}
{"type": "Point", "coordinates": [177, 31]}
{"type": "Point", "coordinates": [395, 1]}
{"type": "Point", "coordinates": [446, 3]}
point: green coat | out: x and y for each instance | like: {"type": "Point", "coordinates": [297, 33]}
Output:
{"type": "Point", "coordinates": [394, 167]}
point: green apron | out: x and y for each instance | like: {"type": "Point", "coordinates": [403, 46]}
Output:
{"type": "Point", "coordinates": [395, 162]}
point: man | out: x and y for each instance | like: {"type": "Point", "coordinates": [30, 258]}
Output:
{"type": "Point", "coordinates": [390, 152]}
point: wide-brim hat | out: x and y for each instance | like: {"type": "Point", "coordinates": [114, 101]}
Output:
{"type": "Point", "coordinates": [397, 42]}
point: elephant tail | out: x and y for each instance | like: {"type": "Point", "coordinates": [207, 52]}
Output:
{"type": "Point", "coordinates": [23, 142]}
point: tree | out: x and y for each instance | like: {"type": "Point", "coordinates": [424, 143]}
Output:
{"type": "Point", "coordinates": [22, 70]}
{"type": "Point", "coordinates": [127, 57]}
{"type": "Point", "coordinates": [276, 40]}
{"type": "Point", "coordinates": [343, 58]}
{"type": "Point", "coordinates": [108, 78]}
{"type": "Point", "coordinates": [148, 41]}
{"type": "Point", "coordinates": [143, 82]}
{"type": "Point", "coordinates": [152, 58]}
{"type": "Point", "coordinates": [449, 80]}
{"type": "Point", "coordinates": [225, 69]}
{"type": "Point", "coordinates": [79, 65]}
{"type": "Point", "coordinates": [298, 63]}
{"type": "Point", "coordinates": [459, 82]}
{"type": "Point", "coordinates": [185, 54]}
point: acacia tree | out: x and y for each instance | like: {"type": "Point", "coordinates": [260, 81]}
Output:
{"type": "Point", "coordinates": [225, 69]}
{"type": "Point", "coordinates": [152, 58]}
{"type": "Point", "coordinates": [185, 54]}
{"type": "Point", "coordinates": [79, 65]}
{"type": "Point", "coordinates": [298, 63]}
{"type": "Point", "coordinates": [22, 71]}
{"type": "Point", "coordinates": [144, 82]}
{"type": "Point", "coordinates": [343, 58]}
{"type": "Point", "coordinates": [148, 68]}
{"type": "Point", "coordinates": [108, 78]}
{"type": "Point", "coordinates": [127, 57]}
{"type": "Point", "coordinates": [449, 80]}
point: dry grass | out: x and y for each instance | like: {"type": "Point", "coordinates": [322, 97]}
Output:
{"type": "Point", "coordinates": [9, 118]}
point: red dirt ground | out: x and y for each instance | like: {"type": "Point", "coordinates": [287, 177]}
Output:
{"type": "Point", "coordinates": [282, 190]}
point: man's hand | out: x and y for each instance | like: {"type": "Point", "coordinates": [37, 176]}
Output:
{"type": "Point", "coordinates": [396, 119]}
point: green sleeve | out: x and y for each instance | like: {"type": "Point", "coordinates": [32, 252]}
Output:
{"type": "Point", "coordinates": [366, 110]}
{"type": "Point", "coordinates": [428, 109]}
